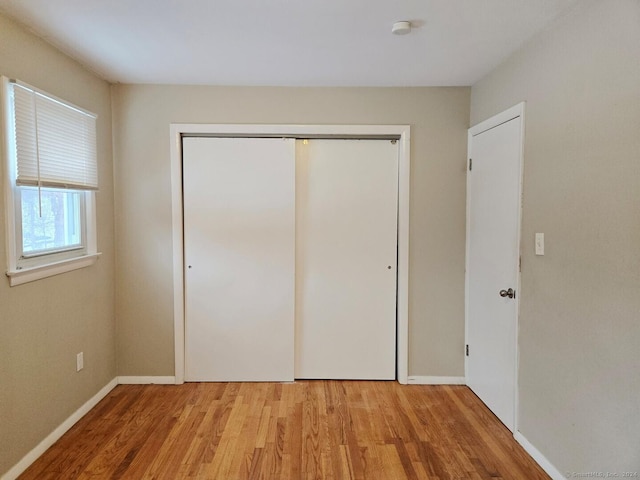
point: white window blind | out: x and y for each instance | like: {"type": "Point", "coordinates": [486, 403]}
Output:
{"type": "Point", "coordinates": [55, 141]}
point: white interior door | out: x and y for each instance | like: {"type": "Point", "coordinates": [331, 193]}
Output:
{"type": "Point", "coordinates": [493, 199]}
{"type": "Point", "coordinates": [239, 233]}
{"type": "Point", "coordinates": [346, 249]}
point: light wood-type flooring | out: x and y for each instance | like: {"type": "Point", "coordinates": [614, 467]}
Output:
{"type": "Point", "coordinates": [334, 430]}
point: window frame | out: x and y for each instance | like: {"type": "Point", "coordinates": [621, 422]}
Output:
{"type": "Point", "coordinates": [21, 269]}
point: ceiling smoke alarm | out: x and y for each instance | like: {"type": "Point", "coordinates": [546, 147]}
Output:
{"type": "Point", "coordinates": [401, 28]}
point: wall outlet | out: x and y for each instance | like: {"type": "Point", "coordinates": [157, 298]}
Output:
{"type": "Point", "coordinates": [79, 361]}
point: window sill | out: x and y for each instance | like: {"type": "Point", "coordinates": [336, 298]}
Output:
{"type": "Point", "coordinates": [18, 277]}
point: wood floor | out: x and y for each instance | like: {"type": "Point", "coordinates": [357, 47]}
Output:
{"type": "Point", "coordinates": [334, 430]}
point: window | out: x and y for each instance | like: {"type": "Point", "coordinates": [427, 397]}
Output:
{"type": "Point", "coordinates": [51, 179]}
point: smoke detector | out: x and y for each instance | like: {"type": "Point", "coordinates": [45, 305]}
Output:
{"type": "Point", "coordinates": [401, 28]}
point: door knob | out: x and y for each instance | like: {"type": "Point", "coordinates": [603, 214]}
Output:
{"type": "Point", "coordinates": [511, 293]}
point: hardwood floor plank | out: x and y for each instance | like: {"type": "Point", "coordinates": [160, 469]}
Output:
{"type": "Point", "coordinates": [346, 467]}
{"type": "Point", "coordinates": [311, 464]}
{"type": "Point", "coordinates": [405, 460]}
{"type": "Point", "coordinates": [319, 430]}
{"type": "Point", "coordinates": [221, 464]}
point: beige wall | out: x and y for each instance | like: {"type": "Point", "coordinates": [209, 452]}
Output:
{"type": "Point", "coordinates": [580, 304]}
{"type": "Point", "coordinates": [439, 121]}
{"type": "Point", "coordinates": [579, 382]}
{"type": "Point", "coordinates": [45, 323]}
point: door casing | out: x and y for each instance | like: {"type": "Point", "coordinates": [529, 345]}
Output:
{"type": "Point", "coordinates": [397, 132]}
{"type": "Point", "coordinates": [503, 117]}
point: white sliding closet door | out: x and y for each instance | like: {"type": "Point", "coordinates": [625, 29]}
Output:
{"type": "Point", "coordinates": [346, 250]}
{"type": "Point", "coordinates": [239, 228]}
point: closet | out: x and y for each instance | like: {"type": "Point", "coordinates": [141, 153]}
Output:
{"type": "Point", "coordinates": [290, 258]}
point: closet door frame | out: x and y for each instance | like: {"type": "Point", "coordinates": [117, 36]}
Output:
{"type": "Point", "coordinates": [401, 133]}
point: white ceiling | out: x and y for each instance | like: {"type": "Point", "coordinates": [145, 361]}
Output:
{"type": "Point", "coordinates": [287, 42]}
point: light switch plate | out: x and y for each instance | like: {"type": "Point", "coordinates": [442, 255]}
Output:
{"type": "Point", "coordinates": [539, 243]}
{"type": "Point", "coordinates": [79, 361]}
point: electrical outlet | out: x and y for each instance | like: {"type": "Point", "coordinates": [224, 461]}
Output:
{"type": "Point", "coordinates": [79, 361]}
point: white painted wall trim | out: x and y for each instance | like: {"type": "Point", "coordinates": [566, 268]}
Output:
{"type": "Point", "coordinates": [498, 119]}
{"type": "Point", "coordinates": [18, 277]}
{"type": "Point", "coordinates": [54, 436]}
{"type": "Point", "coordinates": [404, 179]}
{"type": "Point", "coordinates": [431, 380]}
{"type": "Point", "coordinates": [402, 132]}
{"type": "Point", "coordinates": [540, 459]}
{"type": "Point", "coordinates": [132, 380]}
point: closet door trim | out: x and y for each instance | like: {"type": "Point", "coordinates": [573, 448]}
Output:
{"type": "Point", "coordinates": [401, 133]}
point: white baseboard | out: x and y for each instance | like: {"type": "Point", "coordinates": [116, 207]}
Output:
{"type": "Point", "coordinates": [426, 380]}
{"type": "Point", "coordinates": [540, 459]}
{"type": "Point", "coordinates": [54, 436]}
{"type": "Point", "coordinates": [146, 380]}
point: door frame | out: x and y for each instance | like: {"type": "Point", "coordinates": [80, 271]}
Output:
{"type": "Point", "coordinates": [492, 122]}
{"type": "Point", "coordinates": [402, 133]}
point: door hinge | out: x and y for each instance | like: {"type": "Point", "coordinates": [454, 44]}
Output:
{"type": "Point", "coordinates": [470, 164]}
{"type": "Point", "coordinates": [520, 264]}
{"type": "Point", "coordinates": [467, 350]}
